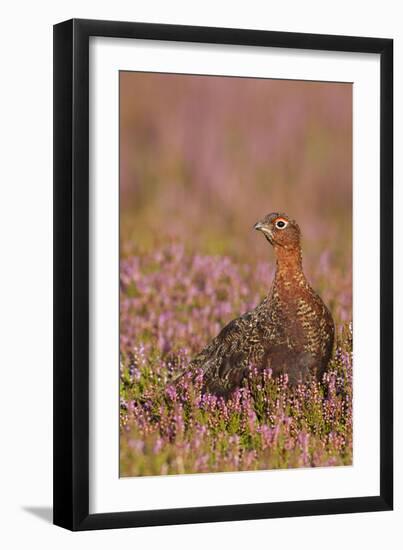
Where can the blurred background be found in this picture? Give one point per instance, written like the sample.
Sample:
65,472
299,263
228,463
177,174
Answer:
202,158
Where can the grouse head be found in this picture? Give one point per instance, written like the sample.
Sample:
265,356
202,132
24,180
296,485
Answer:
281,231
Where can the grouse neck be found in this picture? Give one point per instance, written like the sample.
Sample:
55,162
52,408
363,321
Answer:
288,263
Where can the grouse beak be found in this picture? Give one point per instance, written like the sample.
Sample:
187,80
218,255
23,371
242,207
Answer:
260,226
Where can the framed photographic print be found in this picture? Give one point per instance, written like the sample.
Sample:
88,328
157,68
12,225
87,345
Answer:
223,320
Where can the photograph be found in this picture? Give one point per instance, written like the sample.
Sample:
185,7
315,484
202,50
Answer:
235,274
201,293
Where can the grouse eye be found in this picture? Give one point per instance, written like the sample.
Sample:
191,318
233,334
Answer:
281,224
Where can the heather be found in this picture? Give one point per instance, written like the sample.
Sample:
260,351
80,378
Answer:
173,303
201,160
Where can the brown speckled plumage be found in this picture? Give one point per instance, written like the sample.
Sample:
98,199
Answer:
291,331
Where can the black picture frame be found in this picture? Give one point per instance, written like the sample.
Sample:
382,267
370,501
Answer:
71,274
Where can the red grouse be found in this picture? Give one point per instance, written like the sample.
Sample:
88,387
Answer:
290,332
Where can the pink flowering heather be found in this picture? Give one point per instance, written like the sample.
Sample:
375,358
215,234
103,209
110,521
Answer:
172,303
